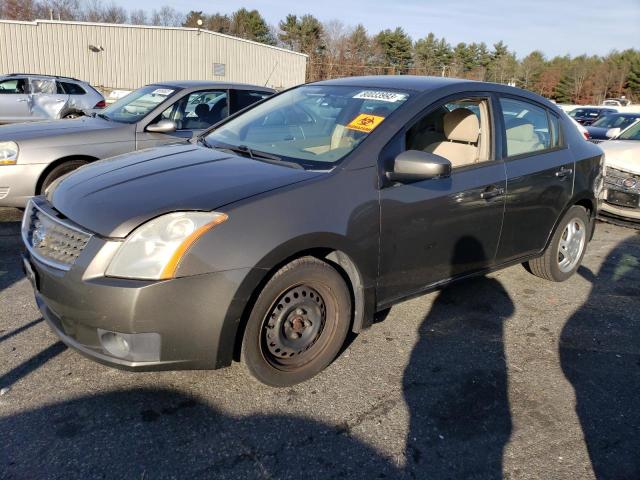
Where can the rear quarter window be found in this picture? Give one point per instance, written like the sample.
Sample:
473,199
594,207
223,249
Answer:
72,88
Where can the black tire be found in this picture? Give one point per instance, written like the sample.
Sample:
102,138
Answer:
298,323
550,265
72,115
59,171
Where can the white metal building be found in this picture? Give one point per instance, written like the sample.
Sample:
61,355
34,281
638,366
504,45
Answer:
129,56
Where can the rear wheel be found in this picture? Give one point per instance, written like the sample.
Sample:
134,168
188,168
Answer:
72,115
298,323
59,171
564,254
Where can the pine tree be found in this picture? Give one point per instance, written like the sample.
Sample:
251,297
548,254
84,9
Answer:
395,46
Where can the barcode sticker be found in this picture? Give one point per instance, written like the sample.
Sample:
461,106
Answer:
381,96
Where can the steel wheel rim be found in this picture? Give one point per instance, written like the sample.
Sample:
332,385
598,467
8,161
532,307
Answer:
571,245
293,326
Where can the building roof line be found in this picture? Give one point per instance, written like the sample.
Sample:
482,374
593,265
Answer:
158,27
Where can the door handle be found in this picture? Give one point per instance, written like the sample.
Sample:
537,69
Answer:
21,100
492,192
564,172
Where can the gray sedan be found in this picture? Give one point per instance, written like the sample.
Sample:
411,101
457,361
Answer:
33,155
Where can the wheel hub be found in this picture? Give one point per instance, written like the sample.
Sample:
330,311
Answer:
294,323
571,245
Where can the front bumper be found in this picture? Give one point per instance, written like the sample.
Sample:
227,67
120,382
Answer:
18,183
195,318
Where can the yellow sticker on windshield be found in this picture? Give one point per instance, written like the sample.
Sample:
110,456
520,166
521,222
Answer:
365,123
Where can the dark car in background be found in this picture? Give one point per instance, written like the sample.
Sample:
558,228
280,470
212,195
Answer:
34,155
610,125
587,115
271,237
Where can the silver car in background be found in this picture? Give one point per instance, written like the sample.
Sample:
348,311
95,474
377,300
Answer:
34,155
28,97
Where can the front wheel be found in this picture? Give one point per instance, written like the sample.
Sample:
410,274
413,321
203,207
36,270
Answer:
563,255
298,323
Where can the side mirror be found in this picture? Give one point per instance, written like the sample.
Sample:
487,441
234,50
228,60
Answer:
414,165
163,126
612,132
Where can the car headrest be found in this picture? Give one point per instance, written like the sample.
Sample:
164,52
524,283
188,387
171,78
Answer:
520,130
202,110
461,125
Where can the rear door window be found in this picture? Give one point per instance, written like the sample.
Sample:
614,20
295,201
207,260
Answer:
241,99
527,128
43,86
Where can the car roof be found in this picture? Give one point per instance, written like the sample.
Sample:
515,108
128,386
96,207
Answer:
403,82
40,75
212,84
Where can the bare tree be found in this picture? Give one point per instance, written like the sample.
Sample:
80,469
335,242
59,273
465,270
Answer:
167,17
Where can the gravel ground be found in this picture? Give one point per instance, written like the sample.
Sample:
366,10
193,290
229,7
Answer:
505,376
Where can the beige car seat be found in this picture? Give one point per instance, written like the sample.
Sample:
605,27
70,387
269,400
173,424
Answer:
522,138
461,130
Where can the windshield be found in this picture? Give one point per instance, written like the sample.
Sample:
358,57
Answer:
614,121
137,104
310,125
632,133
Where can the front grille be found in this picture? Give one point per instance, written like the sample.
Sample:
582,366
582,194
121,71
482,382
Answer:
50,239
621,180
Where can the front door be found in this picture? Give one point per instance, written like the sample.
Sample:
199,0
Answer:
14,100
437,229
540,173
192,114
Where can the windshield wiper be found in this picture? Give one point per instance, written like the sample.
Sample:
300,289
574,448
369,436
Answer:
257,155
102,115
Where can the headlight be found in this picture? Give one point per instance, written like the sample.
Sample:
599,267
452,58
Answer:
154,250
8,153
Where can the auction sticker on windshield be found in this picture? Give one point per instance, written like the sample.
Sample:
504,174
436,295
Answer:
381,96
365,122
162,91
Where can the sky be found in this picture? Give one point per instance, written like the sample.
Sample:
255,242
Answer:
557,27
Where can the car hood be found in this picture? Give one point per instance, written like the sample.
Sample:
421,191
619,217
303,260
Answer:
31,130
112,197
622,154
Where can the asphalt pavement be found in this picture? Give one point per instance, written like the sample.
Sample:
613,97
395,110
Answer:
504,376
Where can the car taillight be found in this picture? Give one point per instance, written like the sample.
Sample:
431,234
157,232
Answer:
586,135
101,104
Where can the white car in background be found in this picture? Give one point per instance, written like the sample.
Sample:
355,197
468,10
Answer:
621,192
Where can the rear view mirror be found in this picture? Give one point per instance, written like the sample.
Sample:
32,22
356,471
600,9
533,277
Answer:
613,132
163,126
414,165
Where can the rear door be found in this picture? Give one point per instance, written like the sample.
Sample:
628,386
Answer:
540,171
47,101
14,100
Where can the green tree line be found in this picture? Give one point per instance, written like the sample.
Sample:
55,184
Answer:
337,50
